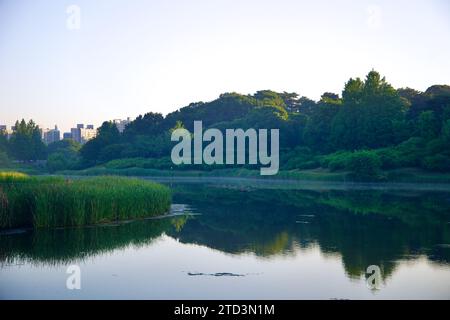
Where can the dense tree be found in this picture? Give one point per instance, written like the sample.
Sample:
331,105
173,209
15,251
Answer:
369,116
3,141
62,155
428,125
107,135
26,142
150,124
318,128
402,127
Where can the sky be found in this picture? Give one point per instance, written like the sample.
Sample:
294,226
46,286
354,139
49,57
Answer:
69,62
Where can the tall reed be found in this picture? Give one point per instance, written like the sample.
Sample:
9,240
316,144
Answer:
56,201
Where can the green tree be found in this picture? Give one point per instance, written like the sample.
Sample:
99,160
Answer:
364,165
428,125
318,128
26,142
63,155
371,111
446,131
107,134
3,141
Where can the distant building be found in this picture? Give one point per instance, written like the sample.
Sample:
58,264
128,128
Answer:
81,134
4,130
75,134
51,135
67,135
121,124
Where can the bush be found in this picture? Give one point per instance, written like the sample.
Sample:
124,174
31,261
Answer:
364,165
335,161
446,131
299,158
411,152
60,160
390,158
438,162
4,160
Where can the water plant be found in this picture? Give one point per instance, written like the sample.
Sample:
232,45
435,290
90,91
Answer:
27,201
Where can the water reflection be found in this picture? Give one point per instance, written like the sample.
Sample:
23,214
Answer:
362,227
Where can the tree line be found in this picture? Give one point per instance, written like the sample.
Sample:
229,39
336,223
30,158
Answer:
369,126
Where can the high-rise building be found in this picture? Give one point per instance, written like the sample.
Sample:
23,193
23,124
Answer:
9,133
121,124
81,134
88,133
75,134
67,135
51,135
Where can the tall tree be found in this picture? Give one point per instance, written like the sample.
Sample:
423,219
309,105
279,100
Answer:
107,135
371,112
26,142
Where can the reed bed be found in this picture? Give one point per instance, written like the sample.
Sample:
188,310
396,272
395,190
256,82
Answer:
56,201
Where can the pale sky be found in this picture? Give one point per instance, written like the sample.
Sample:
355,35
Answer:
129,57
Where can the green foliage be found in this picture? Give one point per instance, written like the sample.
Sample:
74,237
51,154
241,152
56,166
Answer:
65,145
63,155
364,165
3,141
4,160
446,131
107,134
437,162
368,115
150,124
57,161
26,143
403,126
317,134
300,158
335,161
52,202
407,154
427,125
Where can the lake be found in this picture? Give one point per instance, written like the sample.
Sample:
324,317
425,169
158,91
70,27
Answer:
248,239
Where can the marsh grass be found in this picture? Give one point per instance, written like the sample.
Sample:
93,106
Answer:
55,201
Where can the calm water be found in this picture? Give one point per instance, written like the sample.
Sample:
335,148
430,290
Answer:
241,239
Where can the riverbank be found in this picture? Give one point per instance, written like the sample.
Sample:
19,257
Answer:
55,201
404,175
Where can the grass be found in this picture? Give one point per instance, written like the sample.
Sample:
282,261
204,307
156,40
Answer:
410,175
27,201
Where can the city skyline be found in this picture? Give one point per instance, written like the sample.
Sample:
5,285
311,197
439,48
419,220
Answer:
80,132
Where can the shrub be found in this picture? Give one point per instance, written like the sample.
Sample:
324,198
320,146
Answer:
364,165
411,152
438,162
4,160
335,161
390,158
299,158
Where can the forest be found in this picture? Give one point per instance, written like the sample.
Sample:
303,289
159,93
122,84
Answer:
369,128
